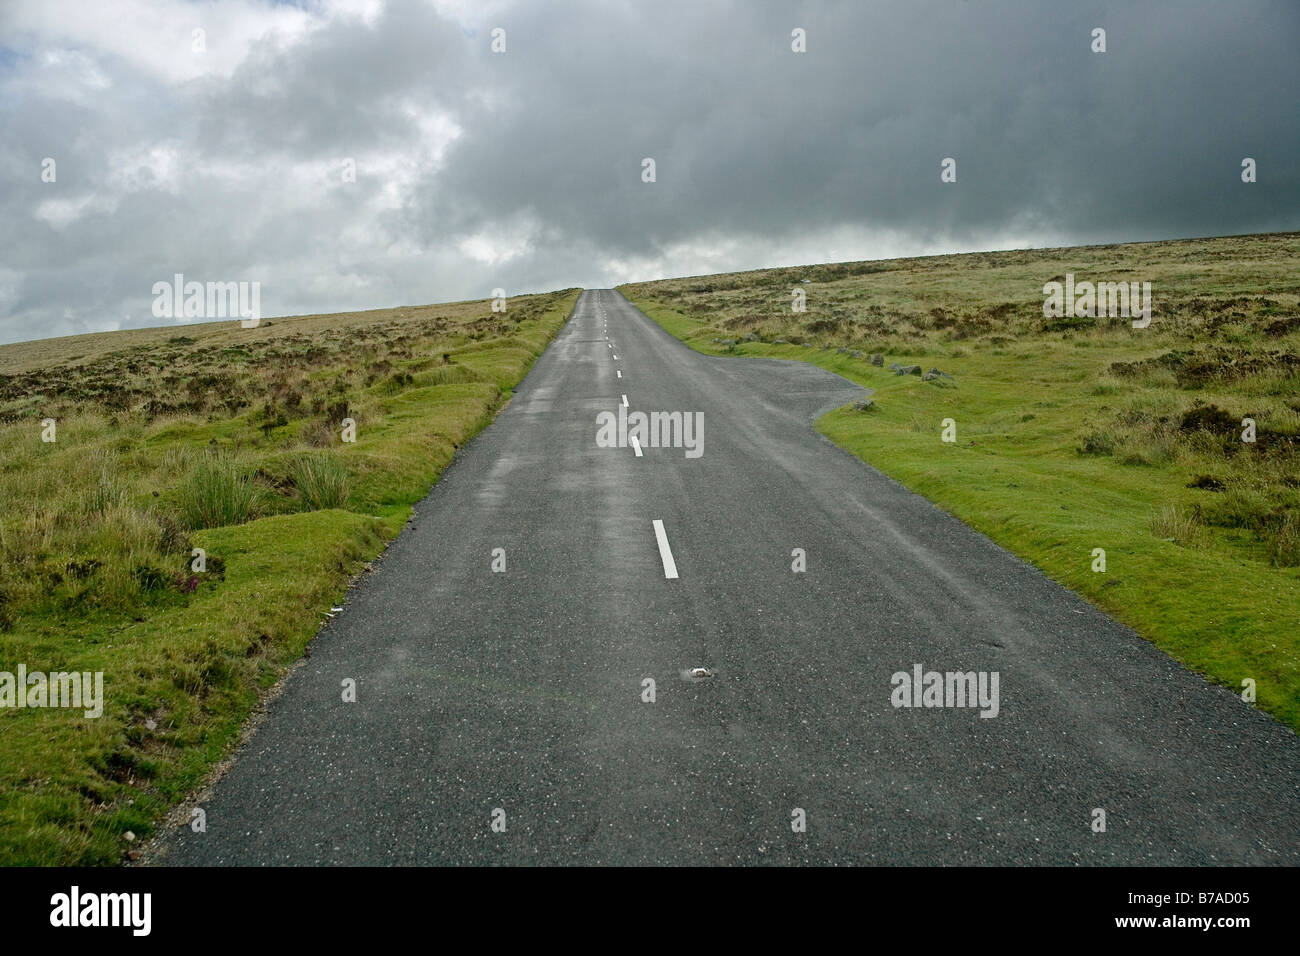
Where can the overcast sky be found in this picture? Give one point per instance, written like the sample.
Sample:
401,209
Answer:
523,169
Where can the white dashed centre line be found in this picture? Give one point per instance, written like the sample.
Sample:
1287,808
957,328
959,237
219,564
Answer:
620,374
625,401
665,552
636,445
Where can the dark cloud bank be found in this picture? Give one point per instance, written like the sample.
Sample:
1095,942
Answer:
522,169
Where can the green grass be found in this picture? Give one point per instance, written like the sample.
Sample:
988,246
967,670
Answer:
224,441
321,480
1092,435
218,492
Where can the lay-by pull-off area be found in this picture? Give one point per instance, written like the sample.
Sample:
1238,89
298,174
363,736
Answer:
678,638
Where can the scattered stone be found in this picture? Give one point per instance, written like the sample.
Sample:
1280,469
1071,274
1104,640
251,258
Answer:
842,351
866,405
726,341
780,342
751,337
128,836
855,354
877,360
894,367
908,370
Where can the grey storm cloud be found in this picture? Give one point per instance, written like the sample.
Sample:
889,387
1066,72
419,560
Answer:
522,169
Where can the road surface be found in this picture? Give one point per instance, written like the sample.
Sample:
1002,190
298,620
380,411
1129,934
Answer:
502,717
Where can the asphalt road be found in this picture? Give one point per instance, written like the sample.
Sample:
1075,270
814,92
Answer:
517,696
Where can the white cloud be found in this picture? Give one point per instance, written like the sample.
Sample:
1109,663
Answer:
492,248
156,37
63,212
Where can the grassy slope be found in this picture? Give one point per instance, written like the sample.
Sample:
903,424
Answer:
1055,454
183,670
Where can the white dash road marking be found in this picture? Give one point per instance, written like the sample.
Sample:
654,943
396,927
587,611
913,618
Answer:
665,552
620,374
636,446
616,359
625,401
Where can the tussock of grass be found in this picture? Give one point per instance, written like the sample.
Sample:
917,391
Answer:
322,480
106,494
1284,544
219,492
1172,523
1240,506
1098,443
